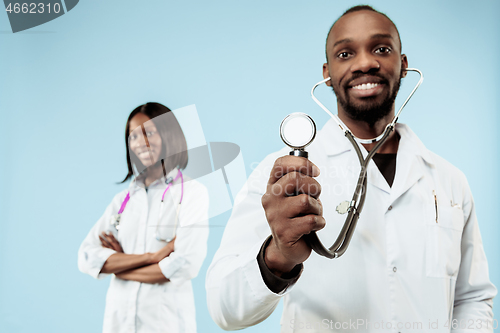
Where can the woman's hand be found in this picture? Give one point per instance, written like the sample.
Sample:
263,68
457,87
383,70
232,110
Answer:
164,252
109,241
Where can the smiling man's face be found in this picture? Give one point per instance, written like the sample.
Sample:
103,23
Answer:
365,65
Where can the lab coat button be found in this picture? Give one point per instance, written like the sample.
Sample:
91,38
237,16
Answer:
390,207
394,269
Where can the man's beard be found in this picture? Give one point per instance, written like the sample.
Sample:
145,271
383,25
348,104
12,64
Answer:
371,112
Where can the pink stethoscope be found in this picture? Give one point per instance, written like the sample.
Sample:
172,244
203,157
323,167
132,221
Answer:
115,219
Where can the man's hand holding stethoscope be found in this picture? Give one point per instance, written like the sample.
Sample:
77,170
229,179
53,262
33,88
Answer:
293,209
109,241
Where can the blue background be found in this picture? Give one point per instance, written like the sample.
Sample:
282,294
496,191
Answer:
67,87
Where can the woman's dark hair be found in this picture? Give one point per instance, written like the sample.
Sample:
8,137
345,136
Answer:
174,147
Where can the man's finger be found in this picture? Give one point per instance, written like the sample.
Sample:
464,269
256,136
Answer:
286,164
296,227
294,183
301,205
305,224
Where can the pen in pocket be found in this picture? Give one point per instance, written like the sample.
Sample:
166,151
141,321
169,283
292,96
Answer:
435,204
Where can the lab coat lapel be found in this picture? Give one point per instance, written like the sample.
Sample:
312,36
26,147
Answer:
375,177
332,140
409,170
410,165
334,143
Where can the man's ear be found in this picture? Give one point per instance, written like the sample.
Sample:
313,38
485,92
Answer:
326,74
404,65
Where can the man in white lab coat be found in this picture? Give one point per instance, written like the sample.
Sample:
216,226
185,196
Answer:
416,260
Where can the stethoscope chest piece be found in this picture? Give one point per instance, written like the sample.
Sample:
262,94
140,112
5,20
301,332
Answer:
115,221
297,131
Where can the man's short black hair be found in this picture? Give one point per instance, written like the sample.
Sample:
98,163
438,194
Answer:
357,9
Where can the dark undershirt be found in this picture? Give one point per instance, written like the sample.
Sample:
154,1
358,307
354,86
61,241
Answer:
386,163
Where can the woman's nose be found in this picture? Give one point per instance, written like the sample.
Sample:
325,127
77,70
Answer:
138,141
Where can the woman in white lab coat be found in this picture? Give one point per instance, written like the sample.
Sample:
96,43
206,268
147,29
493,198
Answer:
152,250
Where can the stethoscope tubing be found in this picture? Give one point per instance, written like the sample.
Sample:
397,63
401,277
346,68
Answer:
157,234
117,218
356,205
344,127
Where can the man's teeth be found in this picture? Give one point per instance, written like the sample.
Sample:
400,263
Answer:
365,86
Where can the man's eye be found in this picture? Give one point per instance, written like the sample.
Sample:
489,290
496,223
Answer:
343,55
383,50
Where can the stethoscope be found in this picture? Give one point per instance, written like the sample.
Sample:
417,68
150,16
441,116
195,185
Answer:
298,130
115,219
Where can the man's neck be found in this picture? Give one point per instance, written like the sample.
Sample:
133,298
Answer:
363,130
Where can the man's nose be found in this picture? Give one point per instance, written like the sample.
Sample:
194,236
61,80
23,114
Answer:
365,62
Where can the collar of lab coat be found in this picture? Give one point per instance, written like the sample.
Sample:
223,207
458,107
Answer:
138,182
410,158
334,141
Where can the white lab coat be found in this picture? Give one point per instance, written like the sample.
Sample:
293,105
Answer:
402,269
141,307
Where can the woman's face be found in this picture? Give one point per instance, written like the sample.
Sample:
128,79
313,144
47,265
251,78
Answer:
144,139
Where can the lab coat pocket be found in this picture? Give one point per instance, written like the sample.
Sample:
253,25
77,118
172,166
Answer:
443,242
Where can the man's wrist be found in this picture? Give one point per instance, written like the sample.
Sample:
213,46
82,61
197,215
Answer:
275,261
275,283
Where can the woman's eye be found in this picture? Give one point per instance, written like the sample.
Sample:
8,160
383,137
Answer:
150,133
383,50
